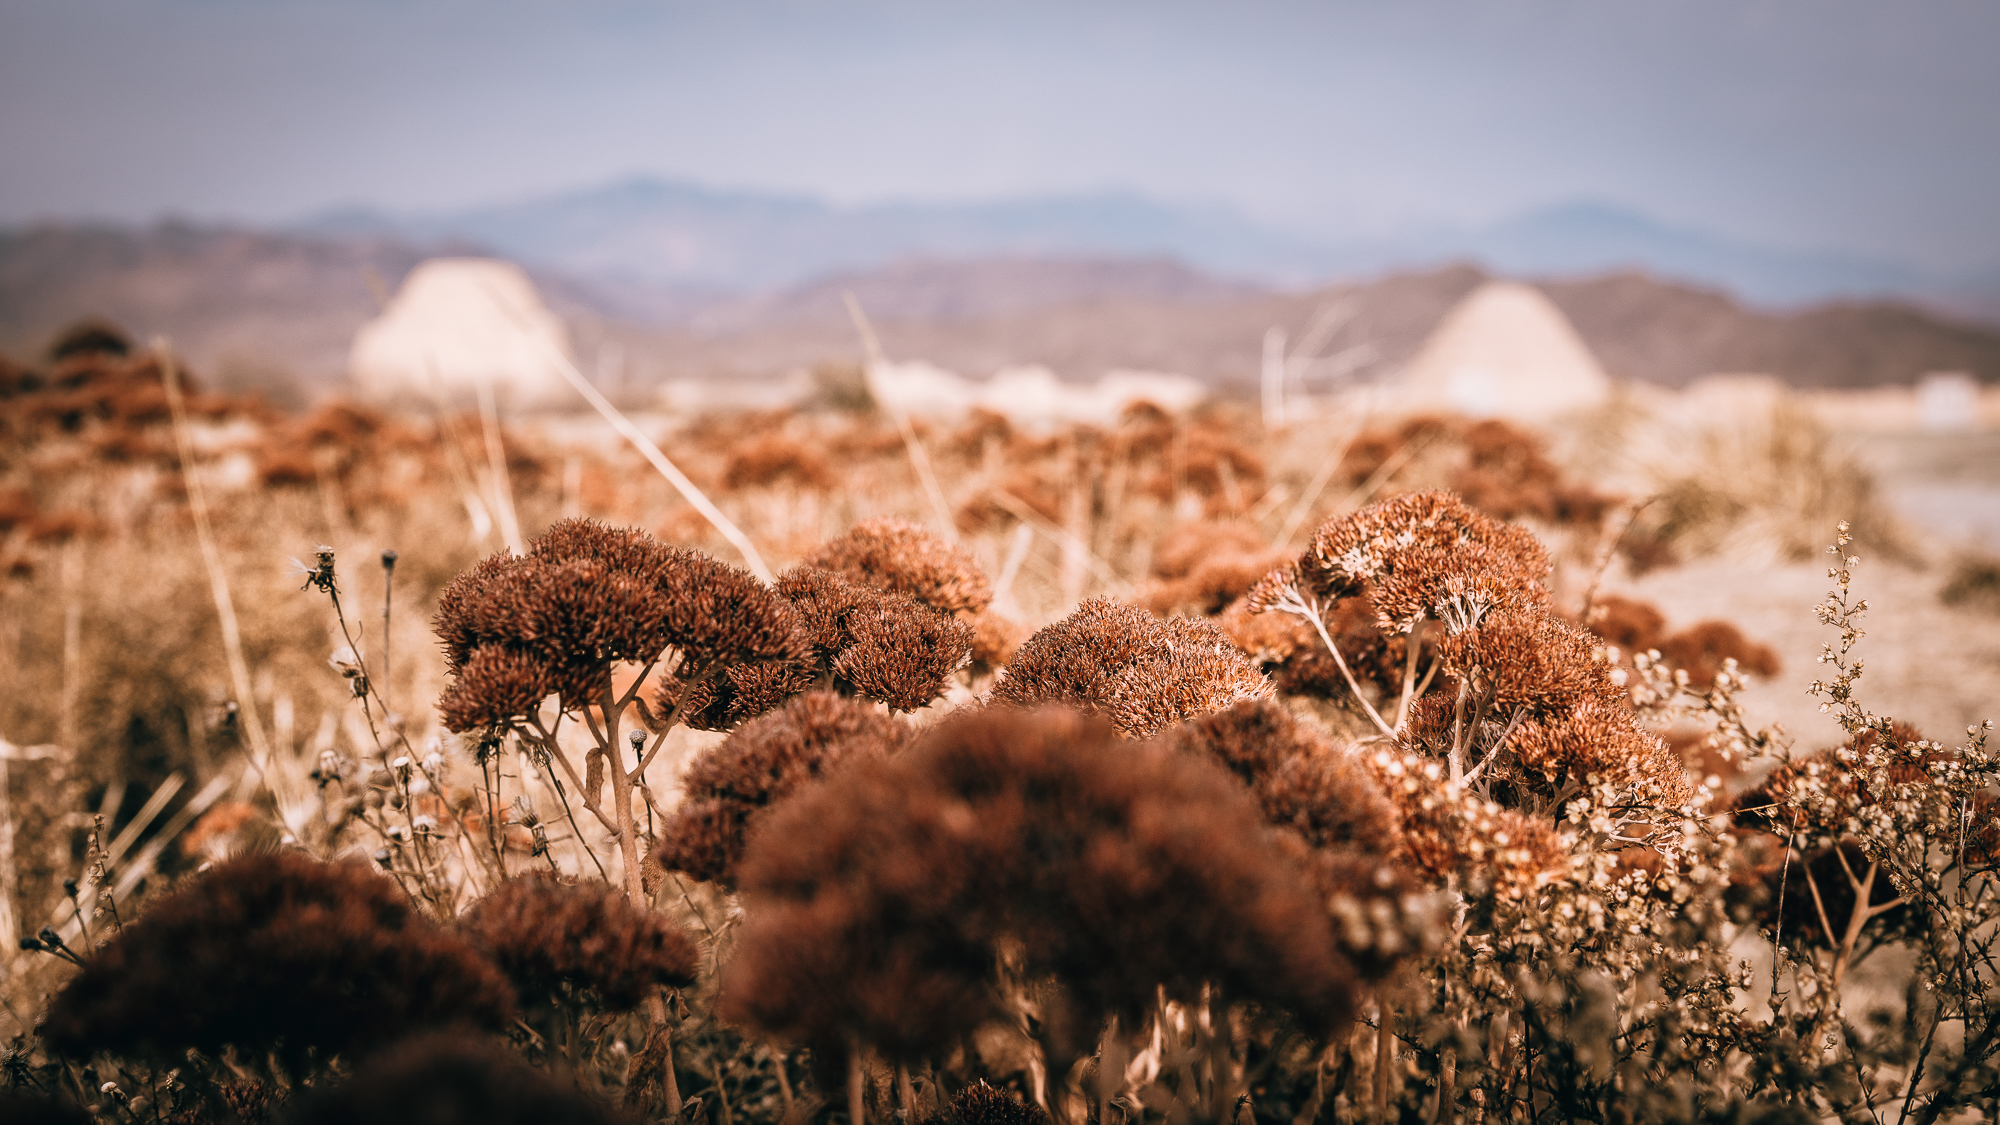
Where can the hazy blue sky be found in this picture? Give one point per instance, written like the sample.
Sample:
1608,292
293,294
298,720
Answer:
1872,127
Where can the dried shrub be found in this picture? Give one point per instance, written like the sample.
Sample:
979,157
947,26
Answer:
903,558
1327,798
1702,649
1119,661
275,952
760,763
516,630
553,939
772,459
1974,582
874,642
882,901
451,1080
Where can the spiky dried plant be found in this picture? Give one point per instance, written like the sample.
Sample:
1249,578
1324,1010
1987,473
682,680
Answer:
1138,671
278,953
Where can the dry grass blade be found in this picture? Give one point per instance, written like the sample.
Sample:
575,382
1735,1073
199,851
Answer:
919,460
211,557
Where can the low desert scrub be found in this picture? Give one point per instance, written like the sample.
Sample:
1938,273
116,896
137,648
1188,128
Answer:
1347,801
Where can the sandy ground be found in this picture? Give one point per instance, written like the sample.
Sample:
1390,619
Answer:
1935,665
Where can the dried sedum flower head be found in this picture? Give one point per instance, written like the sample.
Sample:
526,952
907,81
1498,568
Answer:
1448,830
903,558
1417,555
1140,672
1531,660
516,630
872,642
882,900
761,763
547,935
1325,798
275,952
453,1080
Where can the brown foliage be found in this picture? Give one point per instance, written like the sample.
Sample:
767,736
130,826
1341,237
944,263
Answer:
883,899
277,952
759,764
547,936
453,1080
903,558
1139,671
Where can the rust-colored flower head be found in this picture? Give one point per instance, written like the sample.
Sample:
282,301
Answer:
275,952
761,763
587,596
1449,830
1423,554
1530,660
1592,740
453,1080
550,938
1140,672
884,898
1327,799
903,558
872,642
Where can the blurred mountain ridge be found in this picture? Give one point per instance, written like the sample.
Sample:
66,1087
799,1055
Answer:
655,231
278,311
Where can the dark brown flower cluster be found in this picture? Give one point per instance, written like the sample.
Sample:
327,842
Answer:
550,938
275,952
1289,649
774,459
1422,554
887,611
454,1080
517,630
883,901
1327,798
903,558
1449,830
1531,697
1140,672
760,763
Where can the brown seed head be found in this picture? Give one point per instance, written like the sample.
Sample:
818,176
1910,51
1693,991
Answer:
1137,670
761,763
545,936
901,557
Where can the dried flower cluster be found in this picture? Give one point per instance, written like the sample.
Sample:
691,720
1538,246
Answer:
1140,672
551,937
760,763
882,902
517,630
280,953
1328,799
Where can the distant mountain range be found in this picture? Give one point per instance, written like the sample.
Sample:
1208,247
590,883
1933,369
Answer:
277,311
689,237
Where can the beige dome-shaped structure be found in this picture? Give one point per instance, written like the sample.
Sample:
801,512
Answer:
455,323
1505,351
